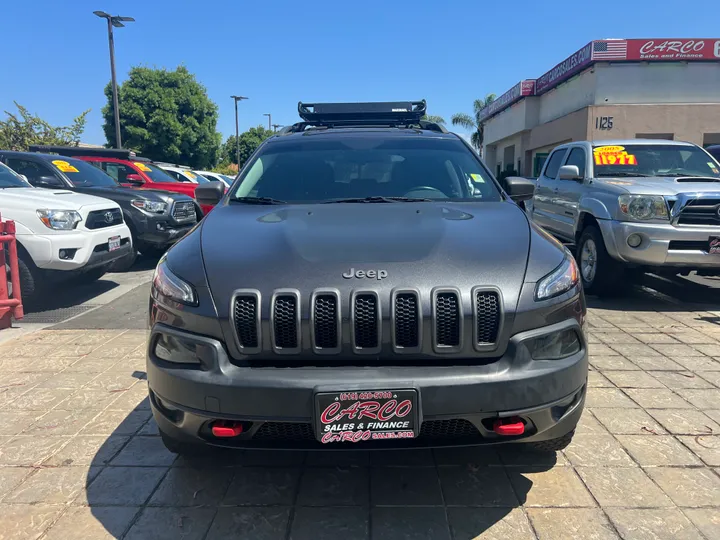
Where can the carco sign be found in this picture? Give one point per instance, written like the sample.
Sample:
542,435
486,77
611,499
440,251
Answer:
564,70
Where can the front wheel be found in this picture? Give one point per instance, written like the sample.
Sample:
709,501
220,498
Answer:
93,275
601,274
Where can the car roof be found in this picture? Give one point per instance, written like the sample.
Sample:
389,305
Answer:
40,155
624,142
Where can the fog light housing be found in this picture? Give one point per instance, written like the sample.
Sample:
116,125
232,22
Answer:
634,240
554,346
178,351
67,254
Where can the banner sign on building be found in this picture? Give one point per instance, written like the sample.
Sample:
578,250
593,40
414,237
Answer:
521,89
564,70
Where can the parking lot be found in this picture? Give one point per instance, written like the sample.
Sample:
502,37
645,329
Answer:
80,457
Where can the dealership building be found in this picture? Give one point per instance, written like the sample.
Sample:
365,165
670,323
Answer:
609,89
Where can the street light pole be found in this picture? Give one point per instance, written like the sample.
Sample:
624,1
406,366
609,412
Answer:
269,120
237,129
275,126
116,21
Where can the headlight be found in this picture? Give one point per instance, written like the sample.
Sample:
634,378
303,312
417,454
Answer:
167,284
643,206
559,281
554,346
60,220
149,206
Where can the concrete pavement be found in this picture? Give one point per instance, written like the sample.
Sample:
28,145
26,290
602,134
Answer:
80,456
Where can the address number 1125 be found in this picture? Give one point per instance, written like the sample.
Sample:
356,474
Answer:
603,122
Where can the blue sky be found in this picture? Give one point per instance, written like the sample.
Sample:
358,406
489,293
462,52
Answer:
278,52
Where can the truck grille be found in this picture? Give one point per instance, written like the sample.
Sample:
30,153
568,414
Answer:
184,212
285,318
700,212
98,219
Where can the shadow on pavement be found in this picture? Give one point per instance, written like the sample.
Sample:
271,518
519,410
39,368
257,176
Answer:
136,489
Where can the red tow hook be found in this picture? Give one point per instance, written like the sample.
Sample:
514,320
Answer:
509,426
226,428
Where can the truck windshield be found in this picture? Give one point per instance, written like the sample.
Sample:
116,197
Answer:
653,160
321,169
8,179
156,174
83,174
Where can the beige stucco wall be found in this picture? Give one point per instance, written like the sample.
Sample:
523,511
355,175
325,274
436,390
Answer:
686,121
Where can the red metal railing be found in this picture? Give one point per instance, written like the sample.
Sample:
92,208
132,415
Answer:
9,307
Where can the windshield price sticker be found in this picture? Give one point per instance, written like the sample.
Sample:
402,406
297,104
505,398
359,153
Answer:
64,166
613,155
191,175
142,167
366,416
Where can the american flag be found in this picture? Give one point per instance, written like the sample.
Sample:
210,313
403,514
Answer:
610,50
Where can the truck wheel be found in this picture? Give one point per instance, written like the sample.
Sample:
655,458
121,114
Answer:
124,264
601,274
29,282
93,275
553,445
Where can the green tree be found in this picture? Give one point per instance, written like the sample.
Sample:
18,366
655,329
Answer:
249,141
165,116
19,131
473,122
435,119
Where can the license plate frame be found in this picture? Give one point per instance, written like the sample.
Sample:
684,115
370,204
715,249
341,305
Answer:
114,243
714,245
367,415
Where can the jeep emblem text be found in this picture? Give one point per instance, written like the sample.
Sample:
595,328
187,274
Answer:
372,274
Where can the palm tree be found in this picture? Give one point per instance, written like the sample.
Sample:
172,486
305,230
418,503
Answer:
473,122
433,119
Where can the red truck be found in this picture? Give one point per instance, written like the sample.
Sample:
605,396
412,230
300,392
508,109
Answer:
127,168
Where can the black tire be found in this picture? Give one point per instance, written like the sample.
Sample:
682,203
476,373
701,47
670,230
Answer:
183,448
125,263
30,285
151,251
92,276
552,445
607,278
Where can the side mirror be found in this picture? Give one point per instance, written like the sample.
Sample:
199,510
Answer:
48,182
210,194
520,189
569,172
134,178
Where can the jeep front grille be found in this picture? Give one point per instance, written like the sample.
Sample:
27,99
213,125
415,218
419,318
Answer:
327,322
246,316
487,317
184,212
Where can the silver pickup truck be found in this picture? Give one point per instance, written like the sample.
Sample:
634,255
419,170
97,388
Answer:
632,204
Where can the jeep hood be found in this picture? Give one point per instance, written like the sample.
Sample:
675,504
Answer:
419,245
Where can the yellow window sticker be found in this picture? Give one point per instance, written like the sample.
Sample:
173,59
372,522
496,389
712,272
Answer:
477,178
142,166
191,175
608,149
613,155
713,167
64,166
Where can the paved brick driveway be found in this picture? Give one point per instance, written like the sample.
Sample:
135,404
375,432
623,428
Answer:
80,457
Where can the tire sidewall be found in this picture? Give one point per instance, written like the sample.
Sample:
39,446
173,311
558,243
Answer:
589,234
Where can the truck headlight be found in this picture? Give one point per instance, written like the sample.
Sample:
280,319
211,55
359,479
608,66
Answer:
559,281
643,207
554,346
60,220
168,285
155,207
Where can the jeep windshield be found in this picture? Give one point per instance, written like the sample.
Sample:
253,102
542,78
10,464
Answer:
83,174
659,160
377,168
8,179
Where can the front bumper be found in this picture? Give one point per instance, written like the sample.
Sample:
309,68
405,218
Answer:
457,403
662,244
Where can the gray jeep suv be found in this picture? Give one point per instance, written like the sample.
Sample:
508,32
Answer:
365,283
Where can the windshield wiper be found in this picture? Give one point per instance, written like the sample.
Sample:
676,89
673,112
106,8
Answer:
378,199
258,200
623,174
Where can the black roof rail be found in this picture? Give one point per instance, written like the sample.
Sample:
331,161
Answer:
367,114
118,153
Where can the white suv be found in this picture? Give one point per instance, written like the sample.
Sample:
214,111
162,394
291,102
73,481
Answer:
61,234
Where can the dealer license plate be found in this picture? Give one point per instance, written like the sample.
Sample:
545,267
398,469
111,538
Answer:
714,248
114,243
372,415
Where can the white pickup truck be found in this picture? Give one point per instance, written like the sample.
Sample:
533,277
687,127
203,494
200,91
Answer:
60,234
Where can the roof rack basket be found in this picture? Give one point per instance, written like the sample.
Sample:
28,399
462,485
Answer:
390,113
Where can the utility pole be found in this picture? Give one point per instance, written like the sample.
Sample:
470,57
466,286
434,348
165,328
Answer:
276,126
117,22
237,129
269,120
